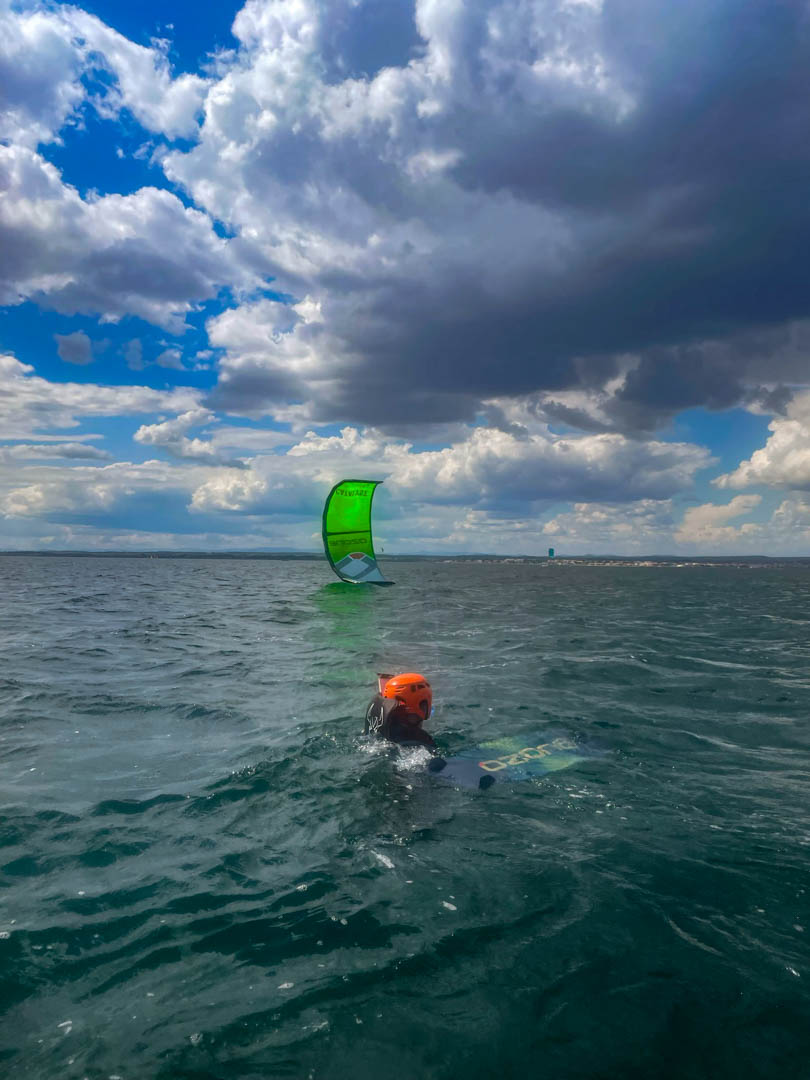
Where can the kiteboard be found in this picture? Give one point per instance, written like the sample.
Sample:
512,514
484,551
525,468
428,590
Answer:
516,757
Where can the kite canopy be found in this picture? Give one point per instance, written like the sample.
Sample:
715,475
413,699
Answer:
347,537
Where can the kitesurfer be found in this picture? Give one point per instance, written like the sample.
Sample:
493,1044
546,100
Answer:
399,709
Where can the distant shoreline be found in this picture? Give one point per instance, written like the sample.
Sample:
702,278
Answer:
560,560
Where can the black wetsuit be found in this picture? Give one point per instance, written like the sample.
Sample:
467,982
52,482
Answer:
387,718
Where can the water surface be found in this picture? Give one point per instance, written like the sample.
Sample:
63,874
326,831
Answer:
205,873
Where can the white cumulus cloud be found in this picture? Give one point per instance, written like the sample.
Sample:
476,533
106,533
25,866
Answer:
46,51
30,404
171,436
143,254
645,525
707,525
784,460
51,490
490,470
495,467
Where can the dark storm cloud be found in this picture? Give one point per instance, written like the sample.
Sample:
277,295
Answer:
716,158
717,375
245,391
553,188
721,138
715,85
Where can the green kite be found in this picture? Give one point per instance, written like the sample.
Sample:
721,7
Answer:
347,538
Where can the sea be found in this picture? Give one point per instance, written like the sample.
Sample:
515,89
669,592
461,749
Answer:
207,873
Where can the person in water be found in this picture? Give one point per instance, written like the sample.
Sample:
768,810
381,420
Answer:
398,711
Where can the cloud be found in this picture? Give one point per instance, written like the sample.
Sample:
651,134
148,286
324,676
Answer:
170,358
61,537
143,254
78,451
133,355
758,369
646,525
652,527
491,470
53,490
790,524
45,54
475,202
254,440
705,526
30,404
142,79
527,196
784,460
75,348
491,491
238,492
170,435
496,468
39,73
266,364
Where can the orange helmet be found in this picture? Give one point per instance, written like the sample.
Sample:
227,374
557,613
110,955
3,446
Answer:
412,690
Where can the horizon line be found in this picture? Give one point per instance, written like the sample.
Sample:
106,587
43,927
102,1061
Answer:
292,553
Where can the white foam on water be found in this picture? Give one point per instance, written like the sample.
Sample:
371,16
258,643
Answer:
413,758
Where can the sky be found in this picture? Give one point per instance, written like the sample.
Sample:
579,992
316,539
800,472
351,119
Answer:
541,266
